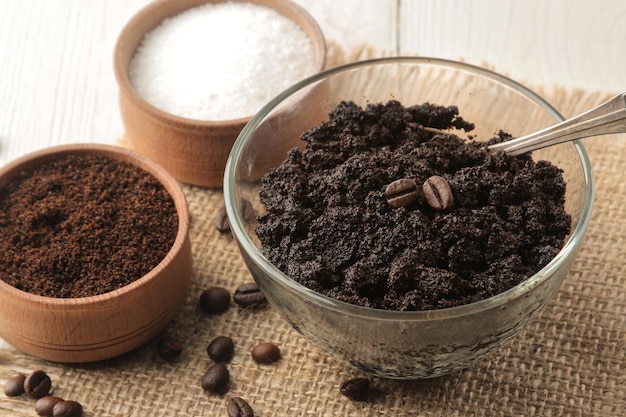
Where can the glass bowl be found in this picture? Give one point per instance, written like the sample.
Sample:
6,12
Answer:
394,344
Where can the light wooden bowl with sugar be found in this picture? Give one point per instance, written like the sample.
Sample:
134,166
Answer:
193,151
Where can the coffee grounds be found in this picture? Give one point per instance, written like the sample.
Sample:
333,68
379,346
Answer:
330,227
83,225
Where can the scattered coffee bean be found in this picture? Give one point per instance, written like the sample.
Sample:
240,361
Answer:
14,387
356,389
438,193
215,300
238,407
221,349
37,384
221,220
247,210
266,353
45,405
67,409
249,294
169,348
216,379
402,193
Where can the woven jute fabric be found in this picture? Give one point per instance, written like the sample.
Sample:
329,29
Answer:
570,361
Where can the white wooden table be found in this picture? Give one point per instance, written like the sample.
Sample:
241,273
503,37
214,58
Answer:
57,84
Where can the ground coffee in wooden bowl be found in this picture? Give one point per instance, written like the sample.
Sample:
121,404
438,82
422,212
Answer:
83,225
95,256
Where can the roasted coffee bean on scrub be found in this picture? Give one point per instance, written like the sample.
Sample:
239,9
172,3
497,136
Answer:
402,193
14,387
266,352
356,388
216,379
214,300
169,348
238,407
45,405
438,193
221,349
37,384
249,294
67,409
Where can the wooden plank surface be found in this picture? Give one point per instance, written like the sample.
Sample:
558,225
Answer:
57,83
574,44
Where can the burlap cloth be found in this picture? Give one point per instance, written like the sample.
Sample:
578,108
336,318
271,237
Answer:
570,361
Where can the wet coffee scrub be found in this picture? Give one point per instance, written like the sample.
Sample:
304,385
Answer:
387,208
83,225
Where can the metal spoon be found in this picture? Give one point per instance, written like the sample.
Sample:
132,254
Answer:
609,117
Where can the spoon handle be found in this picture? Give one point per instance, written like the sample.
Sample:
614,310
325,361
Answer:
609,117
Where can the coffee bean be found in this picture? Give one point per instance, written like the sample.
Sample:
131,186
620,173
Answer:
216,379
401,193
238,407
67,409
438,193
215,300
266,353
44,405
356,389
14,387
37,384
246,209
249,294
169,348
221,220
221,349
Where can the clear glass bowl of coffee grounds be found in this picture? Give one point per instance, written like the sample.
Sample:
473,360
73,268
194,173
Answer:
410,344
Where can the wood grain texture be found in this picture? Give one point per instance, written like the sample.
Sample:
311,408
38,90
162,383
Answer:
57,84
574,44
56,78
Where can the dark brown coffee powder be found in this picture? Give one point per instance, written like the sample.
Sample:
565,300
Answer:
83,225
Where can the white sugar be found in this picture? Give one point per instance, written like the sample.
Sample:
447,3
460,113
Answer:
220,61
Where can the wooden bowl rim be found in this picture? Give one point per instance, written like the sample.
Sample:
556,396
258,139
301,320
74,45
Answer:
120,63
119,153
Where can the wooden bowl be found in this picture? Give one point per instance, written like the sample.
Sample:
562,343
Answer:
193,151
102,326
